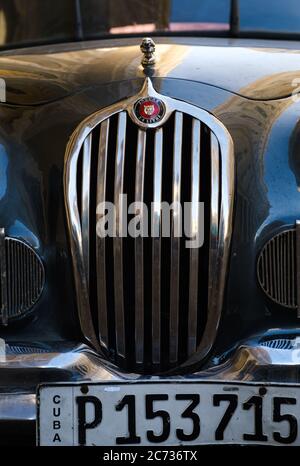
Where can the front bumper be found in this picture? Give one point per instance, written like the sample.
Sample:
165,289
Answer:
23,368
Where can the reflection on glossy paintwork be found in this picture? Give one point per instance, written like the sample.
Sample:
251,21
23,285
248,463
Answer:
246,68
294,151
267,198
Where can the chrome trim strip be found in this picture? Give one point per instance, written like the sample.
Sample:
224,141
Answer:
73,217
214,225
17,407
139,254
156,246
85,206
226,204
176,226
100,242
118,241
194,230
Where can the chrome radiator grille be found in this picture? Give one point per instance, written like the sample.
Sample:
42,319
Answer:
149,304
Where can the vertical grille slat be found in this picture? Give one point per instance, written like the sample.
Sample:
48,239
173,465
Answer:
214,216
139,253
150,303
85,203
194,230
100,240
176,226
118,241
156,247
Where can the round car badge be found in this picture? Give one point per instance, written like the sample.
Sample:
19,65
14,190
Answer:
149,110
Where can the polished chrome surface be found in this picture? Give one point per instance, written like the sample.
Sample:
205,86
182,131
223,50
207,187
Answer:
118,242
22,277
277,268
148,49
156,247
176,221
139,251
85,203
220,228
100,242
194,228
222,180
255,361
213,296
17,407
85,316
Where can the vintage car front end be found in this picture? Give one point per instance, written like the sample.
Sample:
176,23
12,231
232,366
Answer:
212,124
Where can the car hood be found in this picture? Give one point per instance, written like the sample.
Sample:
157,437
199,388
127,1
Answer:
258,70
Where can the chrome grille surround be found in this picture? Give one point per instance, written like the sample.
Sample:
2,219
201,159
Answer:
78,215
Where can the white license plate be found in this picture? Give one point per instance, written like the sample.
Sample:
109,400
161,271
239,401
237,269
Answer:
168,413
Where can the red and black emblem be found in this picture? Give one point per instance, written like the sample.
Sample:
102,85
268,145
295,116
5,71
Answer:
149,110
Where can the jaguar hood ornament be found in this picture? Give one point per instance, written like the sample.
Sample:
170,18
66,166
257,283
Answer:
148,49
